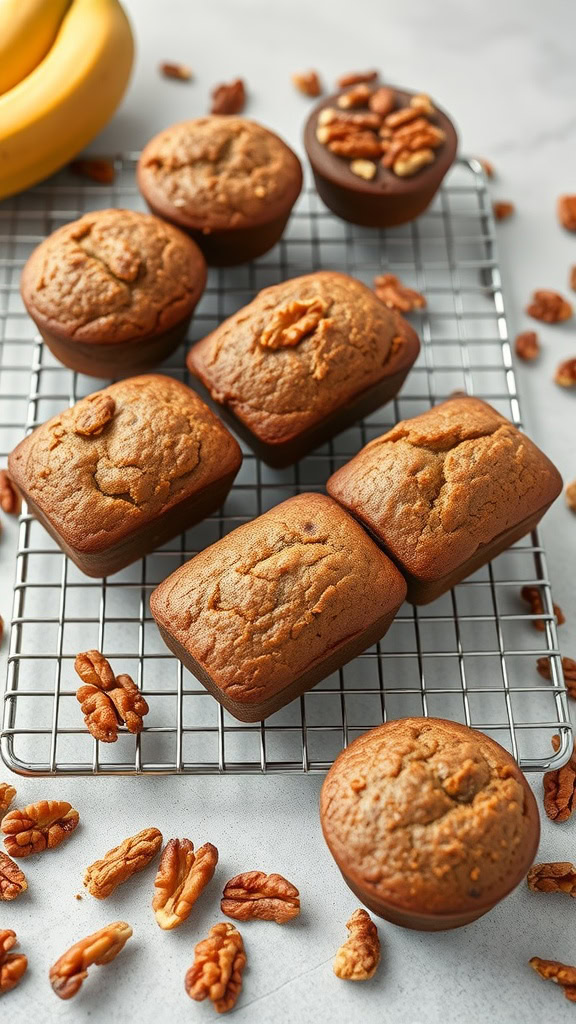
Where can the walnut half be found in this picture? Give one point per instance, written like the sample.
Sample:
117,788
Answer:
12,879
181,877
37,827
217,970
263,897
359,957
68,973
123,861
12,965
291,323
561,974
7,794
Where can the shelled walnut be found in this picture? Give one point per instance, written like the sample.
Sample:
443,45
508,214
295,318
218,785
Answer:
228,98
108,701
562,974
10,502
527,345
307,82
560,788
12,965
12,879
182,875
292,322
558,876
395,295
256,895
534,598
568,669
565,374
216,973
549,306
566,208
7,794
68,973
37,827
118,865
92,414
359,957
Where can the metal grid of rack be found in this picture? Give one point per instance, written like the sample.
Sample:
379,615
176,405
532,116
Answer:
470,656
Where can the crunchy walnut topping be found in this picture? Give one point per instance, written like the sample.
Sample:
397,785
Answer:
37,827
359,957
571,495
93,667
423,104
357,96
12,965
364,169
565,374
383,101
256,895
12,878
292,322
119,864
503,209
182,875
7,794
560,788
534,598
307,82
181,72
561,974
356,145
395,295
527,345
559,876
228,98
216,973
566,208
92,414
407,165
548,306
95,169
9,498
568,668
105,710
68,973
344,121
356,78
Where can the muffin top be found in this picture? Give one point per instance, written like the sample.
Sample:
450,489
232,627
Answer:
121,457
428,815
112,276
298,351
217,173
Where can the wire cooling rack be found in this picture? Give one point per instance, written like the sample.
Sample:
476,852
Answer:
470,656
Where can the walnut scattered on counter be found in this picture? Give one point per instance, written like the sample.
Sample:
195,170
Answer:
359,957
560,788
565,374
502,209
118,865
566,209
12,879
10,502
255,895
68,973
182,875
561,974
571,495
549,306
12,965
181,72
307,82
228,98
7,794
558,876
527,346
356,78
37,827
217,970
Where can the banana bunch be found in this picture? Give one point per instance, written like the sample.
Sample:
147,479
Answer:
64,66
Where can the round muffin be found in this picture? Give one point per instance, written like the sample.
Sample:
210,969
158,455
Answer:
113,293
227,181
430,823
379,154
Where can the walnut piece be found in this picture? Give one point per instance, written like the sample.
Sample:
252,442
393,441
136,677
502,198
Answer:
93,667
356,145
565,374
502,209
383,101
182,875
254,895
217,970
487,166
92,414
10,502
549,306
96,169
534,598
12,878
123,861
571,495
423,104
561,974
344,121
37,827
181,72
291,323
7,794
105,710
566,208
356,78
527,345
407,164
364,169
12,965
390,290
358,96
68,973
359,957
560,788
307,82
228,98
568,668
559,876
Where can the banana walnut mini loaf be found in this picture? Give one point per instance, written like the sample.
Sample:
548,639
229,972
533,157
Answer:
278,604
304,360
113,292
124,470
447,491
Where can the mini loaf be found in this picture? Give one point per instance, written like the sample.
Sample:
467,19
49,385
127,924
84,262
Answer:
304,360
124,470
430,823
227,181
278,604
447,491
113,292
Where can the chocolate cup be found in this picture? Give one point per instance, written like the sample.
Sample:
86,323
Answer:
387,200
287,452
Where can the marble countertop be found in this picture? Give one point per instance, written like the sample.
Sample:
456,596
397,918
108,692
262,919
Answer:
506,73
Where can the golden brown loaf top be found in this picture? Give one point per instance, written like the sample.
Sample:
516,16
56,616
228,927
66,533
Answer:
216,173
437,487
299,351
120,458
113,275
428,815
273,597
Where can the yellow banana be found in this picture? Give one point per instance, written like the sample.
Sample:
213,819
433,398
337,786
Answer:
67,99
27,30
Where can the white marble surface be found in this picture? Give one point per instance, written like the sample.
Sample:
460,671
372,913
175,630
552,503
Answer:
506,72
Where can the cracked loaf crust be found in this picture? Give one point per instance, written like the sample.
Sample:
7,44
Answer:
301,353
428,817
278,604
113,276
122,465
438,489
